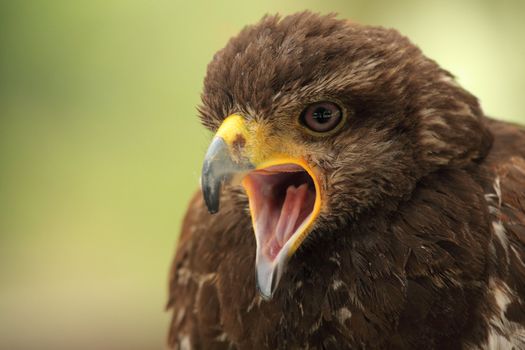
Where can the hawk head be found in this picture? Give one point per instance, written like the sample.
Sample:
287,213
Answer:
322,121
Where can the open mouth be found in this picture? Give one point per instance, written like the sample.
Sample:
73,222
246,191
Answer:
283,202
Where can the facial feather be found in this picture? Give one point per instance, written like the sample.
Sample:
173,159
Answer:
415,245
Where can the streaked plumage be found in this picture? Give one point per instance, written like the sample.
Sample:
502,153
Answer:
420,242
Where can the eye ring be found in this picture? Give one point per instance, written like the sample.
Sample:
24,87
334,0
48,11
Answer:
322,118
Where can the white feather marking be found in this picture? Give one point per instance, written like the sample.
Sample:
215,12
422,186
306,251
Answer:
336,284
185,343
449,80
497,188
494,198
183,276
335,259
316,326
490,197
256,301
500,232
504,334
343,314
222,337
202,278
518,256
180,316
494,202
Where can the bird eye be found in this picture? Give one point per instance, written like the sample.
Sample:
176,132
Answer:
322,117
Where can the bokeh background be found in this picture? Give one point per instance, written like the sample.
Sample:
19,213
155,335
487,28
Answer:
100,146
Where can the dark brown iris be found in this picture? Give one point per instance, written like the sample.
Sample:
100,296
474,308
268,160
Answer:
322,116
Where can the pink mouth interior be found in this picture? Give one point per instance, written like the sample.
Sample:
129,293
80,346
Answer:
282,199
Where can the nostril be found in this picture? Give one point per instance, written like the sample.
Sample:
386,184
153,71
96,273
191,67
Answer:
238,146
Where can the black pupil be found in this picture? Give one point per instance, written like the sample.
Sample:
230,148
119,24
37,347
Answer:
322,115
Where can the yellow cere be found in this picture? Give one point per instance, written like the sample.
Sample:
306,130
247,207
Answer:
260,144
231,128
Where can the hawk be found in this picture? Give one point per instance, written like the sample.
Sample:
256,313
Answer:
354,196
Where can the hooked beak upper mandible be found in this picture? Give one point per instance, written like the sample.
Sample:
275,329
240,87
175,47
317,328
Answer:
224,160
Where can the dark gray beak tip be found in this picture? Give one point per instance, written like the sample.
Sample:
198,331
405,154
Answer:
213,210
211,204
217,170
211,191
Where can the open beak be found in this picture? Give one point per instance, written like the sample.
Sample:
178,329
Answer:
283,192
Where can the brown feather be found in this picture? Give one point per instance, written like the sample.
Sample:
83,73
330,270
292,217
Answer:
421,241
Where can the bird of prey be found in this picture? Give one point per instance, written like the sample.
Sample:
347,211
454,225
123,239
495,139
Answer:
354,196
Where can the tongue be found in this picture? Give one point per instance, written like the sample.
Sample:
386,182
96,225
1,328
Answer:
288,219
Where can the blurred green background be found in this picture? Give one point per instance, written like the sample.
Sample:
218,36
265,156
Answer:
100,146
